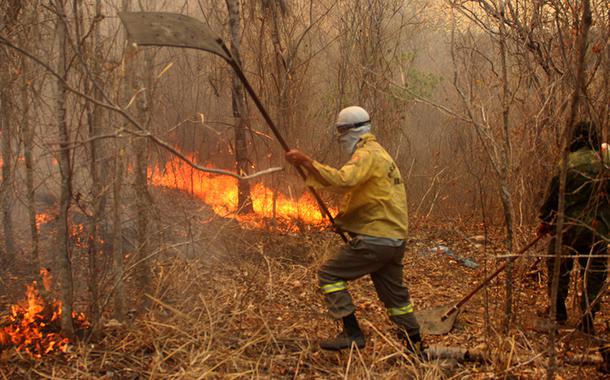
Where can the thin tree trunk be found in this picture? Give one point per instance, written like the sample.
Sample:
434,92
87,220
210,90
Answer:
28,147
98,194
578,81
117,236
244,203
7,161
63,255
6,197
139,145
140,150
506,157
283,98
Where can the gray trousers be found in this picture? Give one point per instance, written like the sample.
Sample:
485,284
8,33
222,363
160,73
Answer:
356,259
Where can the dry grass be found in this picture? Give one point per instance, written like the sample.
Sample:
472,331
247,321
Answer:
245,304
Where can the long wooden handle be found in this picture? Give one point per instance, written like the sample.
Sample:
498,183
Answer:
489,278
278,135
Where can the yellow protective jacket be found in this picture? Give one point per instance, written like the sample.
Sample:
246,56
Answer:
375,200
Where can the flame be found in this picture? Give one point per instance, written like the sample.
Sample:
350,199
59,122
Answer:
221,193
33,326
42,218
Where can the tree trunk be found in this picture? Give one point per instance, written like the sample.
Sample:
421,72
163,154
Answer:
579,78
6,197
139,145
98,180
135,85
118,267
244,203
28,147
7,20
63,255
504,180
281,69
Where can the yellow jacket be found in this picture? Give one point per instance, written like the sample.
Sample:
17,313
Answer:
375,200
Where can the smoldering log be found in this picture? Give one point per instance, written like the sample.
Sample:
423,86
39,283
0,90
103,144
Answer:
593,359
436,352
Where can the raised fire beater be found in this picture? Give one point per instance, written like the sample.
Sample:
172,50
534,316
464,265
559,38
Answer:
374,214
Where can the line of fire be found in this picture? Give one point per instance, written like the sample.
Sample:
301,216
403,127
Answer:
32,326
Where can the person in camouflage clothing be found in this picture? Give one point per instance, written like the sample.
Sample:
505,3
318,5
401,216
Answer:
587,223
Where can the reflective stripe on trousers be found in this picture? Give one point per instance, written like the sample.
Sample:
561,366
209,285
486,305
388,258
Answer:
334,287
396,311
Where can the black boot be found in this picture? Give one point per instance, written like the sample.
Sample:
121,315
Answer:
414,344
351,335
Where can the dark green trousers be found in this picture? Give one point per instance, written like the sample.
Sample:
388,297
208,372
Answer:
587,245
384,264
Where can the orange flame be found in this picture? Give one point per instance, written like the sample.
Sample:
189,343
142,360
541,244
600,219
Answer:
221,193
42,218
33,325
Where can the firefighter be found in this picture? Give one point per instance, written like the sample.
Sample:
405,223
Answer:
587,218
374,214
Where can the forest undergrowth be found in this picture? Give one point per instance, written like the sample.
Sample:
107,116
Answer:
243,303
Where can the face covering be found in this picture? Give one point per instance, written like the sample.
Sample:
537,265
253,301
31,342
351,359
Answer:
349,139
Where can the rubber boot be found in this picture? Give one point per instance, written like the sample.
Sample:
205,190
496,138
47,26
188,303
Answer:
414,344
351,335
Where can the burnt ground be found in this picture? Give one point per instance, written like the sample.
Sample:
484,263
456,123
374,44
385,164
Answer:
235,302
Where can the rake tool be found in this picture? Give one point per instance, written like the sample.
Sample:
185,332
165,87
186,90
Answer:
176,30
439,320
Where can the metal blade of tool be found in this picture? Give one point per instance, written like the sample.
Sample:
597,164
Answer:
439,320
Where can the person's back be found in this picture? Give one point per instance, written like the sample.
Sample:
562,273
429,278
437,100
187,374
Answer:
377,205
586,224
586,197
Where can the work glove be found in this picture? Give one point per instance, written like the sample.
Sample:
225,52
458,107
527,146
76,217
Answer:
296,157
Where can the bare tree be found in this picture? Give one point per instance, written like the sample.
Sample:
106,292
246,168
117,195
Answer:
63,250
28,132
98,167
578,81
9,11
244,203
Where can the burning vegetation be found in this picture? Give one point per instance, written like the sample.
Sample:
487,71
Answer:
221,193
33,325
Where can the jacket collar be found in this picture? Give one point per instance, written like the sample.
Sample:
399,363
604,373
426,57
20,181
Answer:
364,139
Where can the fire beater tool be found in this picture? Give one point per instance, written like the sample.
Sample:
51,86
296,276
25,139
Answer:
439,320
176,30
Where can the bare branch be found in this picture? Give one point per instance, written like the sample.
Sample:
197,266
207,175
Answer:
141,131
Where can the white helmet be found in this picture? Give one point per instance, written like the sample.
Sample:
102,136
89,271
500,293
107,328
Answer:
352,123
352,117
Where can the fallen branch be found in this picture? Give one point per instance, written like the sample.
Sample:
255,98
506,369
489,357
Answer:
436,352
584,359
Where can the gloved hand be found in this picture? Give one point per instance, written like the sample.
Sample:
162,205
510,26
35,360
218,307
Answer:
296,157
543,229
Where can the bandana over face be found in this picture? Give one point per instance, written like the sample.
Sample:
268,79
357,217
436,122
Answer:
350,138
